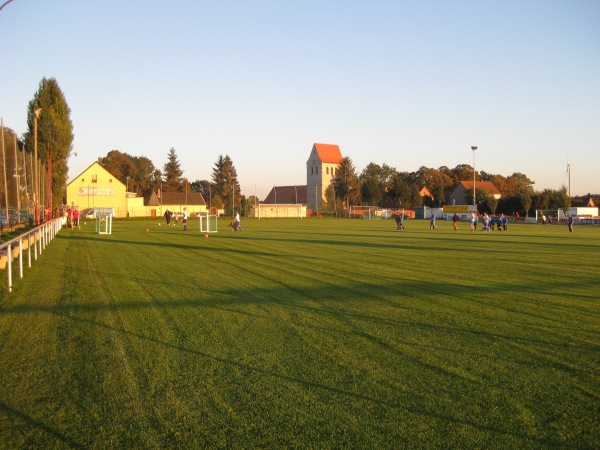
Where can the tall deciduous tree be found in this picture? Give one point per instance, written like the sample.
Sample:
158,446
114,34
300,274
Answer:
136,172
172,173
54,134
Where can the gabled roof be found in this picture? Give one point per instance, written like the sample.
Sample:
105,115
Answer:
487,186
328,153
99,167
286,194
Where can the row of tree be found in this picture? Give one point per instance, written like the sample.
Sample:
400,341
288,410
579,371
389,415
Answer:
385,186
142,177
377,185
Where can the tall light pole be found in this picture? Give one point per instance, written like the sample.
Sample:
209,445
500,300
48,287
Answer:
36,189
474,147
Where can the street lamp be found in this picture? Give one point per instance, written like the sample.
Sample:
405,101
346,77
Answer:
474,147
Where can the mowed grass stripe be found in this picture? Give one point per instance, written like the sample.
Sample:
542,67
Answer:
308,333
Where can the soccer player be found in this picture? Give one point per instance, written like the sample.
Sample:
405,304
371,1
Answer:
432,225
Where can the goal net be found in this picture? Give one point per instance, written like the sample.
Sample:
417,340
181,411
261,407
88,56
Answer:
546,216
281,210
364,212
208,223
104,218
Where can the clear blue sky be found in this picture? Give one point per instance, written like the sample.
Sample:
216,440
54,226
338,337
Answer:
406,83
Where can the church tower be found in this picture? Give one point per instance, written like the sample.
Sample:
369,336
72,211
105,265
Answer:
321,168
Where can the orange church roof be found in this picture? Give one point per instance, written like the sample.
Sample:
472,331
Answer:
328,153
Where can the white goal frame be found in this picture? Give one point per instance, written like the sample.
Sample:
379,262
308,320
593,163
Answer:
364,212
556,215
208,223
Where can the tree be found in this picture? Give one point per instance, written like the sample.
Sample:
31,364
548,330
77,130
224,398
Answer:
146,178
563,199
462,172
347,186
438,193
399,189
482,199
415,196
54,134
120,165
173,173
334,202
375,183
205,187
426,176
217,202
525,200
137,173
225,182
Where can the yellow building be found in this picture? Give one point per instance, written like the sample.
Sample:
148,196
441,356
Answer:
95,187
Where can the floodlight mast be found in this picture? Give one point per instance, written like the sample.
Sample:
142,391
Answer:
474,147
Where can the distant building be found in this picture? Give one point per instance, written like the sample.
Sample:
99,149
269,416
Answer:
96,187
321,169
286,194
457,197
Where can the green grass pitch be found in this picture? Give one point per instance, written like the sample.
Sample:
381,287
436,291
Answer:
313,333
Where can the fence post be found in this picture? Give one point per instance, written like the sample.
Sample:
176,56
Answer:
20,258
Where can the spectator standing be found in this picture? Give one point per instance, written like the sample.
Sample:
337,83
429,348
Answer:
76,218
69,214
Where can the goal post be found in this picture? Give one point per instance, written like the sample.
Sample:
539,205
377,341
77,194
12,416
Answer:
363,212
208,223
546,216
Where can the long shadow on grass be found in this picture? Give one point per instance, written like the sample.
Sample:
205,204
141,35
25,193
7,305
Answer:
339,307
469,300
379,402
30,421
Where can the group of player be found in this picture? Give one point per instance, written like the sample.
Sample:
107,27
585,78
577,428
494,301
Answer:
488,222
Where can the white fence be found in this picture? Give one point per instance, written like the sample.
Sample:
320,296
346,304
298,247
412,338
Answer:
33,242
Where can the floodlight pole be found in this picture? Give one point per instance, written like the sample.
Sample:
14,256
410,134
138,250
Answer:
474,147
36,190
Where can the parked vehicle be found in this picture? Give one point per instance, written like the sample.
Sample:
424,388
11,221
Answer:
88,213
